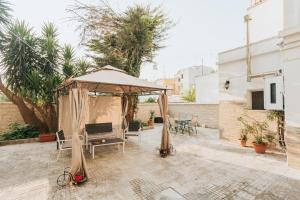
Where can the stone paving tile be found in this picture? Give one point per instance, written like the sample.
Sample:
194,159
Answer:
203,167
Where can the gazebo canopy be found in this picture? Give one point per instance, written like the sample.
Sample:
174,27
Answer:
109,79
74,103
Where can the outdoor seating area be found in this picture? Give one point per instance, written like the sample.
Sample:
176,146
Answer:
203,168
95,136
184,124
95,106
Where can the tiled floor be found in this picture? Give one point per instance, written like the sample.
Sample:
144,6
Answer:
204,167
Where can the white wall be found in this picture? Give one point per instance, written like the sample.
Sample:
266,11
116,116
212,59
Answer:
232,67
267,19
291,59
189,76
291,13
207,89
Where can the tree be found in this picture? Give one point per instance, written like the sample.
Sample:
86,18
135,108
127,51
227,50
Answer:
125,40
151,100
4,13
33,66
190,95
68,61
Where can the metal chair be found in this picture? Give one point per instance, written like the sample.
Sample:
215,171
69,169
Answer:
192,126
173,126
64,143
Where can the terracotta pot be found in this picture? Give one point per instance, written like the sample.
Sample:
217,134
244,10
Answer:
243,143
150,122
48,137
260,148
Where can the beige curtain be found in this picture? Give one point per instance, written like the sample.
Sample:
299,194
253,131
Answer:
163,106
124,112
60,112
64,120
78,107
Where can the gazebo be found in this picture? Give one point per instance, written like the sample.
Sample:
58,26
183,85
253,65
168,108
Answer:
82,99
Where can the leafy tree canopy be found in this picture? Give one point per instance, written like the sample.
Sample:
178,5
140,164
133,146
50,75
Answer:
122,39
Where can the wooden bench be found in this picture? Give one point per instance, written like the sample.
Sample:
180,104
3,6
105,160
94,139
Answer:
100,135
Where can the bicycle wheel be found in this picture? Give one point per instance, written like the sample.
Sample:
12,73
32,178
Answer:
64,179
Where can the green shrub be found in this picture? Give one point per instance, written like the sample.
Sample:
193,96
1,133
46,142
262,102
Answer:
190,96
20,131
151,100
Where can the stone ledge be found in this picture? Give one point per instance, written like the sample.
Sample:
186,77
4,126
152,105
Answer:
20,141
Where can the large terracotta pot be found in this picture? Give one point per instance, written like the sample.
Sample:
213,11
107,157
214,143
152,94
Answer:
243,143
48,137
260,148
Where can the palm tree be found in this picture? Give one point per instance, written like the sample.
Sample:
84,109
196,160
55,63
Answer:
34,66
68,54
4,13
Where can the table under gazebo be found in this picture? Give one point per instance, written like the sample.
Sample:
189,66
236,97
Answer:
100,95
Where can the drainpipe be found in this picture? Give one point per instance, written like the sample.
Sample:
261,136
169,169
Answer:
247,19
265,74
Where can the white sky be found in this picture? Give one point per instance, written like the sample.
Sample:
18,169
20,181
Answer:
203,28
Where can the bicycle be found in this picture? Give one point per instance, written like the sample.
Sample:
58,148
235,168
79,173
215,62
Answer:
65,178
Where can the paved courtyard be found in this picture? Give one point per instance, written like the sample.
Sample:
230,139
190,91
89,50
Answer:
204,167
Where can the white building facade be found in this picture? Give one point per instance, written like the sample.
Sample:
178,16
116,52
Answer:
207,89
186,77
274,33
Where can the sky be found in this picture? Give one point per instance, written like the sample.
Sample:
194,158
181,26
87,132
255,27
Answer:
203,28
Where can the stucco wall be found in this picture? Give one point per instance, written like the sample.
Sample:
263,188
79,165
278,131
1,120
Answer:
291,60
9,113
267,19
207,89
232,67
207,113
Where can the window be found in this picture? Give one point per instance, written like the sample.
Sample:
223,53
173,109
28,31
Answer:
273,93
258,100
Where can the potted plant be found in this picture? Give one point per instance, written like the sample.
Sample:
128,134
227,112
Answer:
243,139
47,137
247,129
151,118
259,145
257,129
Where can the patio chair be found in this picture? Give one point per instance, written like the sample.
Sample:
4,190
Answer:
134,129
192,126
64,143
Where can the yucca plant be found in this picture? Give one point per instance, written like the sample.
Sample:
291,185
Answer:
68,54
33,67
4,13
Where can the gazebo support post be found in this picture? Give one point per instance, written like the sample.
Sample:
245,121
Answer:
165,147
